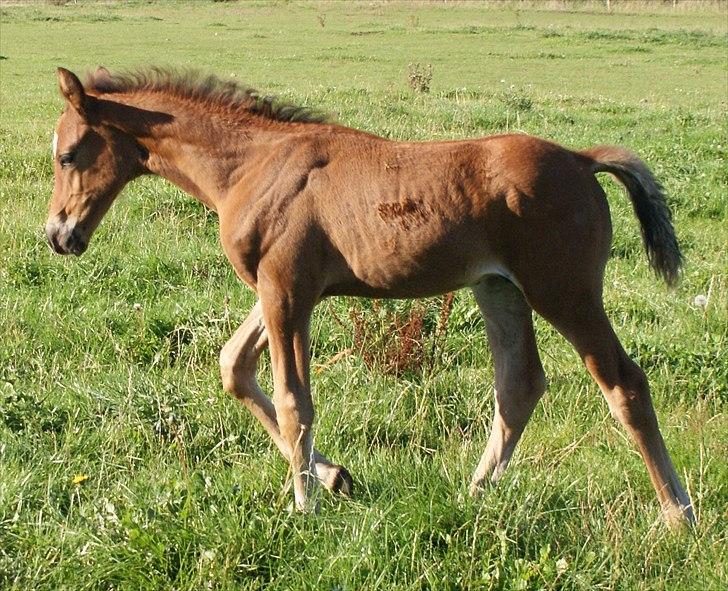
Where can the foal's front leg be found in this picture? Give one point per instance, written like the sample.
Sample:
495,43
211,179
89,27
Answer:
287,317
238,361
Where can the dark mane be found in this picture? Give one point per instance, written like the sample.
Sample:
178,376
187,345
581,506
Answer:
209,90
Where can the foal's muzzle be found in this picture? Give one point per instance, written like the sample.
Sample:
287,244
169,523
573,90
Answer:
64,239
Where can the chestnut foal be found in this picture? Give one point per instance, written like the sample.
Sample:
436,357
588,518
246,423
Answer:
309,209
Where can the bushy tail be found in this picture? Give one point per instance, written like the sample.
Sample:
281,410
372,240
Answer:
649,205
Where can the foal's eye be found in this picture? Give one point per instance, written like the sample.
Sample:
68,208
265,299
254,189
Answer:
66,159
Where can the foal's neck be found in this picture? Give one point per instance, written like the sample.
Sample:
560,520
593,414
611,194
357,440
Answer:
204,154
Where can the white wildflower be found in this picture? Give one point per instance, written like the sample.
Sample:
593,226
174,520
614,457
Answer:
701,301
561,565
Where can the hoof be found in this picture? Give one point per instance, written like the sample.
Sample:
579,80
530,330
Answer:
478,487
335,478
342,483
679,518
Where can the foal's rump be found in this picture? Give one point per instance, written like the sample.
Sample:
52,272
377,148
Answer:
553,225
549,221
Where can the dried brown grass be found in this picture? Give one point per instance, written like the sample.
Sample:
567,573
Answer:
397,342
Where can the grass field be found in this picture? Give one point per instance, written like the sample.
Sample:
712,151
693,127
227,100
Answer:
123,465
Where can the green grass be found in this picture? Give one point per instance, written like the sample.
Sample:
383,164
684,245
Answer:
108,363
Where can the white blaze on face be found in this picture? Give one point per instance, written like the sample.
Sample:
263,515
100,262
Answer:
55,144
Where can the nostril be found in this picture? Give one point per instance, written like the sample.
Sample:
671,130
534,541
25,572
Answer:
52,237
76,244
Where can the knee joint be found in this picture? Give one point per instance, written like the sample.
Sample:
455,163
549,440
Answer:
227,371
530,386
630,401
235,369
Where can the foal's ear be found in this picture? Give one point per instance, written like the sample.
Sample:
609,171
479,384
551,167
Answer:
72,90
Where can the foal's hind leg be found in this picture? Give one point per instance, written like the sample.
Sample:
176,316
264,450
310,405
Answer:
238,361
583,321
519,377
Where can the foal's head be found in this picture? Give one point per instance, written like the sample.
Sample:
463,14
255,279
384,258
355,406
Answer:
92,162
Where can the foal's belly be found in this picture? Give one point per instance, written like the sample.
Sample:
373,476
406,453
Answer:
409,266
415,286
